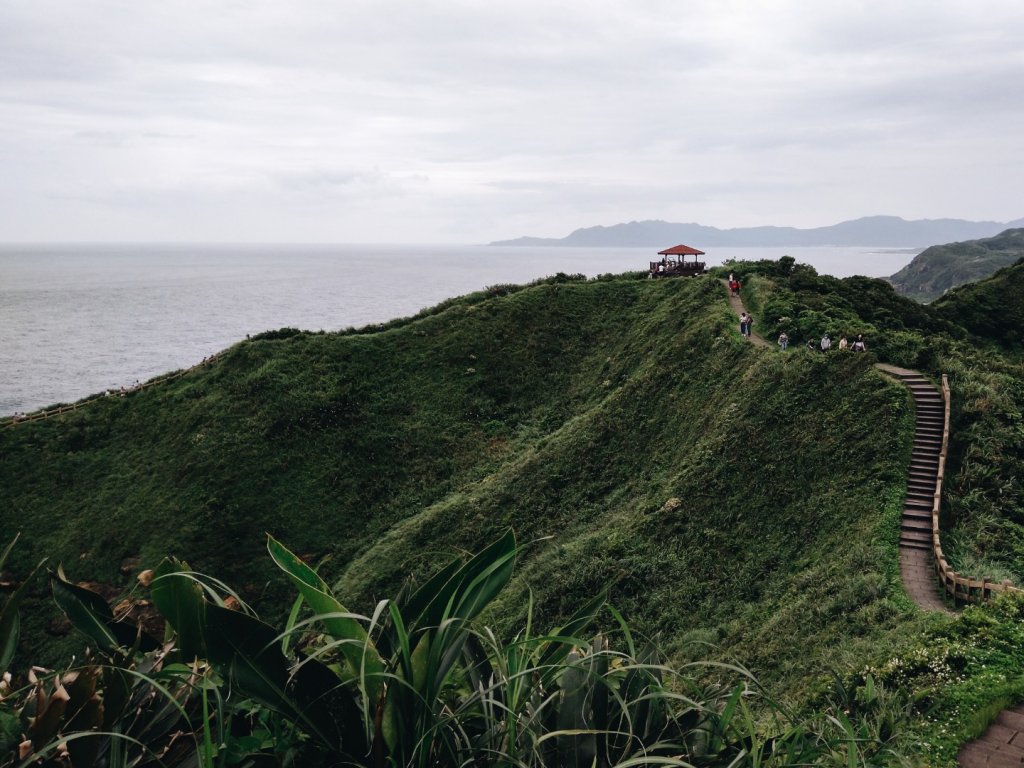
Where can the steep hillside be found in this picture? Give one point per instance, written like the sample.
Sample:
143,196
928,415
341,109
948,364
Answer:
941,267
726,494
991,310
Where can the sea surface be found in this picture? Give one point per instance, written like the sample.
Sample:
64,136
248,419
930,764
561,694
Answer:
79,319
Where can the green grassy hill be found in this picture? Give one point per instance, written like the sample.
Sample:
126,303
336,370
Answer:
623,419
941,267
724,494
991,310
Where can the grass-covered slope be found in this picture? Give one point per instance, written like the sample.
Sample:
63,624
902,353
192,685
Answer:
941,267
964,338
722,493
991,310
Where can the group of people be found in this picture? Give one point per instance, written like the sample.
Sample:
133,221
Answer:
824,345
734,285
745,322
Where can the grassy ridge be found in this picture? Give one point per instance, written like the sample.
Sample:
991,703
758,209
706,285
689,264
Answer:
727,492
728,495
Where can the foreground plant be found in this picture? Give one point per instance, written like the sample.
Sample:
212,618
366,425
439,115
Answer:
416,683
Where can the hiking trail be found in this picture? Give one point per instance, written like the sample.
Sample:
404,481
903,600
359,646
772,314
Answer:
1002,744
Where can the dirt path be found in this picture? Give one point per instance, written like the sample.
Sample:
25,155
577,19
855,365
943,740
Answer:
737,306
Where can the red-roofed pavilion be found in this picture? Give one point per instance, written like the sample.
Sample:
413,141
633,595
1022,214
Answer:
674,264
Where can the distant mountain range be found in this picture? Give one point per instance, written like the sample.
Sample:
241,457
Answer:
869,231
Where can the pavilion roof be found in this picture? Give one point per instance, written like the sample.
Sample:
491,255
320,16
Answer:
680,250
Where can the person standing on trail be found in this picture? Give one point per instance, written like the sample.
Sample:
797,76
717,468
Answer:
743,324
843,343
783,341
750,322
826,343
859,345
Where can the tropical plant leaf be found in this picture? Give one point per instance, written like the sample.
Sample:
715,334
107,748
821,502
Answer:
555,651
330,709
415,606
247,652
180,600
459,588
90,614
354,642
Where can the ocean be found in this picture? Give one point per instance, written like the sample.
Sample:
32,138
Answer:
78,319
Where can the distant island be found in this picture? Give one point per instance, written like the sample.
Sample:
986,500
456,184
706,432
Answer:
878,231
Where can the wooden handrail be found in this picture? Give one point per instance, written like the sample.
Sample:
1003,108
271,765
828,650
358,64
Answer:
10,421
961,588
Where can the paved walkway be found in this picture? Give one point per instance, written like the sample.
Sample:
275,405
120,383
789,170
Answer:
1002,745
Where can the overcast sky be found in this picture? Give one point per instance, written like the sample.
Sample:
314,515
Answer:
379,121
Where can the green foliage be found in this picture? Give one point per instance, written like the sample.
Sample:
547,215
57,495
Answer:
992,310
441,690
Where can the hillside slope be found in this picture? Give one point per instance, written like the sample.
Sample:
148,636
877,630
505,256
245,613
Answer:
993,309
723,493
941,267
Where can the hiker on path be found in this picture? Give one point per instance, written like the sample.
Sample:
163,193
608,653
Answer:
734,286
811,345
826,343
743,324
750,322
843,343
783,341
859,345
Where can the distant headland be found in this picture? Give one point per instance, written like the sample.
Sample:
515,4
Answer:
880,231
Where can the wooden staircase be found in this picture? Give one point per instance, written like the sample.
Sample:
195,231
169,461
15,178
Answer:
916,551
916,525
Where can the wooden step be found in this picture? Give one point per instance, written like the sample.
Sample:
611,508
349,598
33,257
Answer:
921,537
915,526
911,544
916,514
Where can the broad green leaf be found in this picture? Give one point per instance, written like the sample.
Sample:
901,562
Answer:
355,644
463,596
247,652
413,608
180,600
555,652
330,709
90,614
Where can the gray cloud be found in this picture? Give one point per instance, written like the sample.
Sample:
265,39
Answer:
460,121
